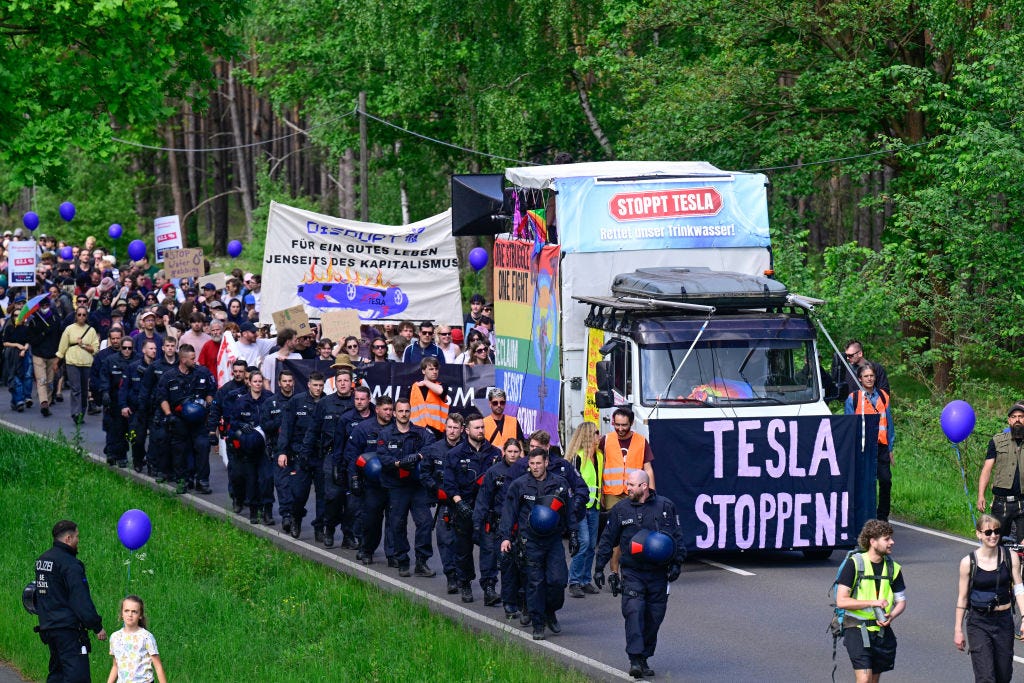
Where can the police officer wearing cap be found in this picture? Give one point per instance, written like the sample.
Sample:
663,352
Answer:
464,470
318,442
342,508
645,528
65,608
539,504
133,405
158,452
400,447
243,415
1004,467
360,450
432,476
296,421
112,375
186,425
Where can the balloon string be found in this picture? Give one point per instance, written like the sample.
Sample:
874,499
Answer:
963,476
131,554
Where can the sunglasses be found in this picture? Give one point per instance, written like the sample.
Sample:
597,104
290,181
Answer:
348,346
992,532
445,334
129,347
379,346
482,348
497,403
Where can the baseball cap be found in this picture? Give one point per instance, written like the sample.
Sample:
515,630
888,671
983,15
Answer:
215,303
1019,405
147,314
247,327
210,285
250,299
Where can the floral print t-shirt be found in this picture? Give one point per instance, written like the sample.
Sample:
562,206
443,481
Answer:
133,653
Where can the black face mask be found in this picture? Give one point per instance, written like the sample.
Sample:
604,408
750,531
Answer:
1017,431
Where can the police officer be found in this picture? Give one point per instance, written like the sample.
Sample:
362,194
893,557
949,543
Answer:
645,575
134,406
114,368
464,470
400,452
114,335
217,424
188,441
432,476
159,450
318,442
65,608
362,444
272,416
244,415
341,507
296,421
547,573
486,522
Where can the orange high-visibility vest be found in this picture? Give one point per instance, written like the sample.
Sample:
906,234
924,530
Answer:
617,467
509,429
427,412
865,407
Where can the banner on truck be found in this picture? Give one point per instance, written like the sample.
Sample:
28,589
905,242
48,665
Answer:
526,354
767,483
383,272
670,214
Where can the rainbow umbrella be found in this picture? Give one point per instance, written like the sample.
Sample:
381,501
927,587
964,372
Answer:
30,307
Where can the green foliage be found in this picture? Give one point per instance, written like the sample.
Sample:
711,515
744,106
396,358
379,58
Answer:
205,582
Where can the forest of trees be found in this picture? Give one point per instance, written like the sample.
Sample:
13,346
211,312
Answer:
890,131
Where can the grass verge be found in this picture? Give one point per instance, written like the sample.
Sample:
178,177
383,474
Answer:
223,605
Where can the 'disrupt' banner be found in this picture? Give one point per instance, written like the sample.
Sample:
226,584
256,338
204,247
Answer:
527,348
769,483
383,272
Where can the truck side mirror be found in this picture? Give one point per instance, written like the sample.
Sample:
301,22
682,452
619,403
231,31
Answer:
604,399
603,370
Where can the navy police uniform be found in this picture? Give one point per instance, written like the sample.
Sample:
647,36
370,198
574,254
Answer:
364,440
297,420
270,420
189,444
341,507
158,452
464,471
490,503
400,454
244,414
432,478
317,445
111,374
131,397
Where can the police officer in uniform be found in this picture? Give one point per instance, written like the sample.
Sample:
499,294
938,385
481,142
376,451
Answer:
272,415
297,420
217,425
432,476
318,443
644,575
134,405
342,508
362,444
159,450
244,415
546,570
464,470
65,608
400,451
486,521
113,370
188,442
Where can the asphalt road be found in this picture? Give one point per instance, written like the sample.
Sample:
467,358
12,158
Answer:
730,617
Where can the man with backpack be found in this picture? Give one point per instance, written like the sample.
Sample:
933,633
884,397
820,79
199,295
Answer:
870,593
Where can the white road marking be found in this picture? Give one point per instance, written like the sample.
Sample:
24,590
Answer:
734,570
932,532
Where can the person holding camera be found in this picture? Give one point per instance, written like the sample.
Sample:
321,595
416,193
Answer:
990,582
645,529
64,606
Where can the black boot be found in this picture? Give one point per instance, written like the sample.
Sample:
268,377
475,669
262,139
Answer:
318,534
286,524
647,670
328,537
236,506
453,584
296,530
254,515
636,670
266,518
491,596
423,570
467,592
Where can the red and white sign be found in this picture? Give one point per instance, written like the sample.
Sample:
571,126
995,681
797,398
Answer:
21,264
25,262
166,235
677,203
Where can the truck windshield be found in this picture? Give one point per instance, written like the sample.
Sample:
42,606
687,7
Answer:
733,372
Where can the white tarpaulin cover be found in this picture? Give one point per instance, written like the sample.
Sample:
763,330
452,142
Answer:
383,272
543,177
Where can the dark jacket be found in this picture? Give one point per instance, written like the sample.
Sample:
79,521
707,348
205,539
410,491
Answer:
62,591
657,513
527,491
318,441
44,334
394,447
563,468
465,467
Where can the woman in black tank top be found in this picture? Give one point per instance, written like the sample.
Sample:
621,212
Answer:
990,581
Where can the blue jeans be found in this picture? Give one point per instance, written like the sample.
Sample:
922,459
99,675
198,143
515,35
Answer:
22,380
581,569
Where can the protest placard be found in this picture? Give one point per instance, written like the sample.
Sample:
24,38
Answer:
182,263
294,318
336,325
219,280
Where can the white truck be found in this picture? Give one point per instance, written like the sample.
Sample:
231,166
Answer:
652,291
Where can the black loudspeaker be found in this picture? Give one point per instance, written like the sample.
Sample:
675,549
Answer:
478,205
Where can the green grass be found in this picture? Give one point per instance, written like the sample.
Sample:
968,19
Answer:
224,605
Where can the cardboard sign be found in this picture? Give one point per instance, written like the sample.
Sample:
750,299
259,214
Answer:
293,318
182,263
336,325
219,280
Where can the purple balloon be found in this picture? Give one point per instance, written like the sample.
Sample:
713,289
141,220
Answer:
31,220
234,248
134,529
136,250
957,420
115,230
67,211
478,258
67,253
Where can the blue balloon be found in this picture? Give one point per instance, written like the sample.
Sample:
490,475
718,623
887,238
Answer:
234,248
115,230
957,420
67,211
30,220
136,250
543,520
134,529
478,258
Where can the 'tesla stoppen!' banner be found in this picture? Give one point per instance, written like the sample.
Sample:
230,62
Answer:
769,483
383,272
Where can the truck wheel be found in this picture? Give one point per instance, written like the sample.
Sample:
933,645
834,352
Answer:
818,554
